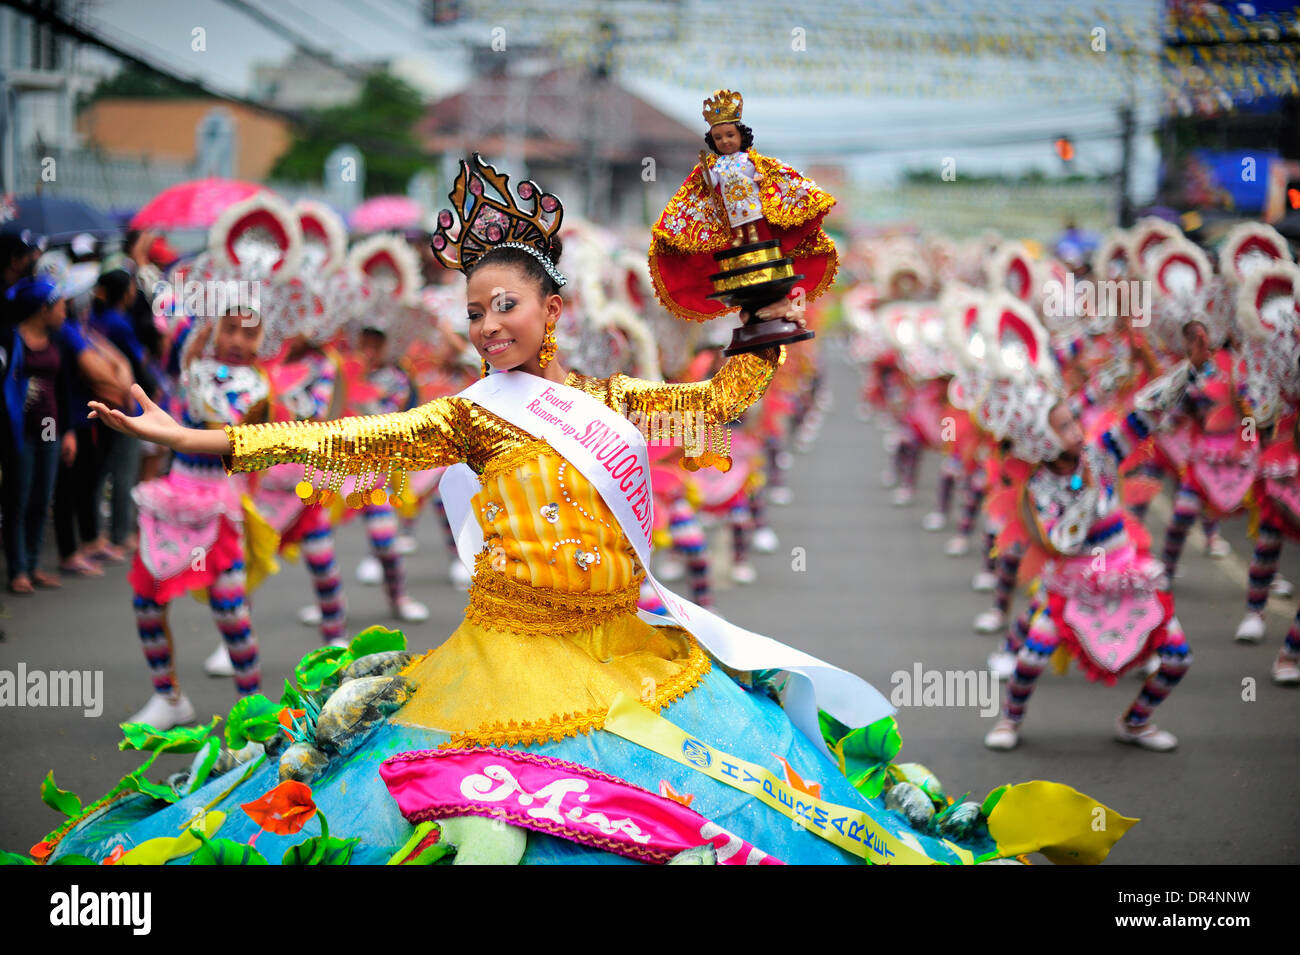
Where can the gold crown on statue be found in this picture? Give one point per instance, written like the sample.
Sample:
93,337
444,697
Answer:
479,221
723,106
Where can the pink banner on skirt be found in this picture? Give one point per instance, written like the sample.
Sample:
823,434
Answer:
557,797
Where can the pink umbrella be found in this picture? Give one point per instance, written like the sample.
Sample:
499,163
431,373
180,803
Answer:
192,205
384,213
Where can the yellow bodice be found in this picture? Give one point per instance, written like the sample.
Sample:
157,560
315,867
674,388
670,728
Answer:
551,634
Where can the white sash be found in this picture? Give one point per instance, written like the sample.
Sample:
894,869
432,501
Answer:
611,454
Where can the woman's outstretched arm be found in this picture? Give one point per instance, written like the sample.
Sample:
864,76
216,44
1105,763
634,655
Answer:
433,435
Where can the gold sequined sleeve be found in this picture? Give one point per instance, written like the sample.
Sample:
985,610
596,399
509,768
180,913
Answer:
433,435
738,384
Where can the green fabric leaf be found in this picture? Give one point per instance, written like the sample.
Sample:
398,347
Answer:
291,697
73,859
375,640
182,739
253,718
14,858
225,852
321,850
865,754
992,799
203,763
141,784
60,800
425,847
317,668
832,729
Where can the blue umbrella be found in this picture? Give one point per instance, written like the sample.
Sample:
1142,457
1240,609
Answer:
59,219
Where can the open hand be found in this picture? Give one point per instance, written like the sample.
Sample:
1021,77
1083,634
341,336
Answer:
152,424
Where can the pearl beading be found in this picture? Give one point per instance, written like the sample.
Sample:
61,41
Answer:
565,491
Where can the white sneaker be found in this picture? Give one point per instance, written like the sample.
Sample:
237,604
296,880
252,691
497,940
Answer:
780,496
934,521
1281,587
218,663
902,496
743,573
1148,736
338,642
1251,628
984,582
957,547
1286,669
405,544
310,616
991,621
1004,736
412,611
765,540
784,460
1217,547
162,714
370,571
459,575
1002,663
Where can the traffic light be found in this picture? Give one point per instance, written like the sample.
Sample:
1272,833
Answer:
1064,149
441,12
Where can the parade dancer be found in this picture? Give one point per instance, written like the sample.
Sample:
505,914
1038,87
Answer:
1269,369
1104,598
377,382
1211,387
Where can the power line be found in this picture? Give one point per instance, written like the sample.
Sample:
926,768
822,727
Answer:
322,24
299,42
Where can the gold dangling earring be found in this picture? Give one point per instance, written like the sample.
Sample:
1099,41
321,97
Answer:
487,369
548,347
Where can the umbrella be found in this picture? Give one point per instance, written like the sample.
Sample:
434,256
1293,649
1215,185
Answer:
384,213
192,205
58,219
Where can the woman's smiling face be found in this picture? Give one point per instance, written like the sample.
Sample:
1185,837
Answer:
508,316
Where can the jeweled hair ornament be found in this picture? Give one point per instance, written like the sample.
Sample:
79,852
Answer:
485,216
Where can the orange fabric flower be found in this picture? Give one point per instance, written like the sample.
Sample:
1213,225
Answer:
284,810
117,853
287,716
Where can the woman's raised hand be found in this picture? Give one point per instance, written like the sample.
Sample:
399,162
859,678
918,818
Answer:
152,424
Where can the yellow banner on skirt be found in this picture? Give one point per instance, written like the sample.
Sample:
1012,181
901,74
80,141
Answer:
853,830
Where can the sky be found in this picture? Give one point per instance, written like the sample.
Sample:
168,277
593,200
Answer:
876,137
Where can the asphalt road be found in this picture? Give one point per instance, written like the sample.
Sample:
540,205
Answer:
870,591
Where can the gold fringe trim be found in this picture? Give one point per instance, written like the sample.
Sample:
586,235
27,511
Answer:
501,603
563,725
514,459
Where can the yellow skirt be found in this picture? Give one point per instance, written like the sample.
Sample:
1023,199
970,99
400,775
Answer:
495,688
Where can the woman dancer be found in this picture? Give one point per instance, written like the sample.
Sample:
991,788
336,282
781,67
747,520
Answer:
551,647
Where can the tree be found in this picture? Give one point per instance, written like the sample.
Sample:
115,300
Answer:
381,123
135,82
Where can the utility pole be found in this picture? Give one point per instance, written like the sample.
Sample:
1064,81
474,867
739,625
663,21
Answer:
1126,159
